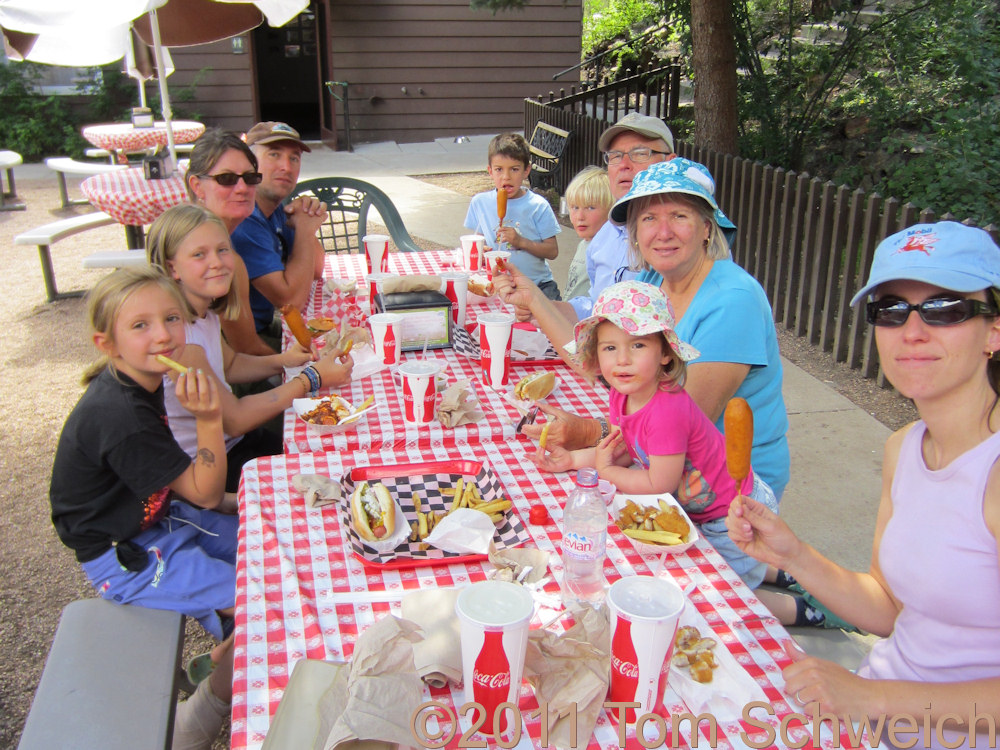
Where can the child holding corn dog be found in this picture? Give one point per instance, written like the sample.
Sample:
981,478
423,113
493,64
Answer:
661,441
191,245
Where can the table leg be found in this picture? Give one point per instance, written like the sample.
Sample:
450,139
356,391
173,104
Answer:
135,237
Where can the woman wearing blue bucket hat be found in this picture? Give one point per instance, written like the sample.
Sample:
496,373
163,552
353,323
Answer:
933,588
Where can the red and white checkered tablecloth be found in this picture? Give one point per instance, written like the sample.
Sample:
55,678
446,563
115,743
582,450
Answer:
129,198
123,136
301,593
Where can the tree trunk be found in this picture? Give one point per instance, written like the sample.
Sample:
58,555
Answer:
713,37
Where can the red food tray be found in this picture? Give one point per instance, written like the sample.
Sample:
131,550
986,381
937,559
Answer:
426,480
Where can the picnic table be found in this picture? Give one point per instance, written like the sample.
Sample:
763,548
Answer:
124,138
132,200
307,587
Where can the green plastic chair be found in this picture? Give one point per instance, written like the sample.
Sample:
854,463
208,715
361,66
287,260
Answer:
348,202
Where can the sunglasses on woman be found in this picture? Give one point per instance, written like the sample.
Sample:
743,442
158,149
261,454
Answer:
892,312
228,179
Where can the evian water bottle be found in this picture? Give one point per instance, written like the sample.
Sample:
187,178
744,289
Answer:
585,532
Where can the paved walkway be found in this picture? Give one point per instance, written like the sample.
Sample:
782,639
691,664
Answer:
836,447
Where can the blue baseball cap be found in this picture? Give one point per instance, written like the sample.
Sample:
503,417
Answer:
678,175
946,254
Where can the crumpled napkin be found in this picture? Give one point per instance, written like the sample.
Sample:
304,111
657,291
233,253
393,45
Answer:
317,489
438,657
570,672
513,562
411,283
463,531
528,344
341,286
338,338
458,405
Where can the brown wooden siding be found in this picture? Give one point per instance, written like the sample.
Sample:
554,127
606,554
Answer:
224,96
463,71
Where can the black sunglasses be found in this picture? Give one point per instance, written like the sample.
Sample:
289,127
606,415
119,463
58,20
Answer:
892,312
228,179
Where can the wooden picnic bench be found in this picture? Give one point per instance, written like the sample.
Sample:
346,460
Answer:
547,145
110,680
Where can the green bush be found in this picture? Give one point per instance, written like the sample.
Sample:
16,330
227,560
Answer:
32,124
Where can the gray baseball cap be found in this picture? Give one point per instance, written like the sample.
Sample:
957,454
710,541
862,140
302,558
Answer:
650,127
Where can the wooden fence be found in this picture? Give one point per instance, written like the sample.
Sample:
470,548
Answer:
808,242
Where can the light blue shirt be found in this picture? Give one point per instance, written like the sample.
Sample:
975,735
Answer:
729,320
607,264
532,217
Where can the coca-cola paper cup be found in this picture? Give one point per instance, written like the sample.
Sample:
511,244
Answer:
376,287
387,336
491,259
419,389
494,618
495,333
455,286
473,248
376,252
644,614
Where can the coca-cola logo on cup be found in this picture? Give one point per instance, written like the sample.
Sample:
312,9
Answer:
491,681
626,669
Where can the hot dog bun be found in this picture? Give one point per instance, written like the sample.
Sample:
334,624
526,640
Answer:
738,422
536,386
481,285
373,511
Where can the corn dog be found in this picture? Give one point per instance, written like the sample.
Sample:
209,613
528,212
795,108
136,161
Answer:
293,318
165,360
501,204
738,422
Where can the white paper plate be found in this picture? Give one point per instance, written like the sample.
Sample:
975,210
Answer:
304,405
621,501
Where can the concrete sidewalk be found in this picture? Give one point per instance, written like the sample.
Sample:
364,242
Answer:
836,447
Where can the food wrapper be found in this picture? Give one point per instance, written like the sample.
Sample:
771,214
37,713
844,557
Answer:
364,705
528,344
317,489
464,531
438,657
570,672
338,337
458,405
526,565
412,283
346,287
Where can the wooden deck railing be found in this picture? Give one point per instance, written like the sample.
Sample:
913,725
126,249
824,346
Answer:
808,242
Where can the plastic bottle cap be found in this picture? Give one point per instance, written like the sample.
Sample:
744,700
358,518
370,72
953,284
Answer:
538,514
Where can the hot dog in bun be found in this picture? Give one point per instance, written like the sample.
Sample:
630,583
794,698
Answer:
536,386
373,511
481,285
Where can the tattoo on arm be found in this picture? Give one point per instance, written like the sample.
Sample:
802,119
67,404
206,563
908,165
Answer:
206,456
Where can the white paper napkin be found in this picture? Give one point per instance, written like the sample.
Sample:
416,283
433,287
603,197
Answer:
463,531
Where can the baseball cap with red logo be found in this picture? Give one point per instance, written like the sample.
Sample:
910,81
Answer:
272,132
946,254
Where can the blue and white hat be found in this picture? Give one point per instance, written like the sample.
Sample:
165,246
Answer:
946,254
678,175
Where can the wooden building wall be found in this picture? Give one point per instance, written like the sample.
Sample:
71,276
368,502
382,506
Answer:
225,91
421,69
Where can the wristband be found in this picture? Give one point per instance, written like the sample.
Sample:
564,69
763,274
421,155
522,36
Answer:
605,429
315,382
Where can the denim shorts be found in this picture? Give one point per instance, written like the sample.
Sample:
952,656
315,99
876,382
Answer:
191,570
749,569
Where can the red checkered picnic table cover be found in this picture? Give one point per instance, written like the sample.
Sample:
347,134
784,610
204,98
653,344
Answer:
129,198
123,136
303,594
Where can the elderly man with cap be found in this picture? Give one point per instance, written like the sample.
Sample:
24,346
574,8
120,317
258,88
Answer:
278,243
629,146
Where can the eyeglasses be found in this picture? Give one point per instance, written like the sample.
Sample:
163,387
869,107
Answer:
638,155
228,179
940,311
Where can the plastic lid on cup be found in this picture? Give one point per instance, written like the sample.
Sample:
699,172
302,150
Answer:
420,367
646,597
495,603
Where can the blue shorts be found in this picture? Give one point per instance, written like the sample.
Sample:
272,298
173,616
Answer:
192,567
749,569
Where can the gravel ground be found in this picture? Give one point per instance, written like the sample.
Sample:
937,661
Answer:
45,348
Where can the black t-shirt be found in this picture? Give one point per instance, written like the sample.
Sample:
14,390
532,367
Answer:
115,460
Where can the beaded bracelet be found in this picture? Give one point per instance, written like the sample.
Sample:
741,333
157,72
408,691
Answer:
315,382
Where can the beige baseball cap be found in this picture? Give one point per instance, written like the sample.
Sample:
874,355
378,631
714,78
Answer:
272,132
650,127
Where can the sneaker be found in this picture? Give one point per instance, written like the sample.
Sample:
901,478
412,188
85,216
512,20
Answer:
809,612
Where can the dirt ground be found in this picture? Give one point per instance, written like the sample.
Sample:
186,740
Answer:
44,349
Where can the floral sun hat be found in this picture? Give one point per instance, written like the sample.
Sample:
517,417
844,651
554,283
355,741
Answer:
679,175
638,309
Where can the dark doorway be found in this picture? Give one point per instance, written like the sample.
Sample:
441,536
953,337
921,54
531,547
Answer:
287,78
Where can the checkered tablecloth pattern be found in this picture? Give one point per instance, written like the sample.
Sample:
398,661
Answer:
301,593
129,198
123,136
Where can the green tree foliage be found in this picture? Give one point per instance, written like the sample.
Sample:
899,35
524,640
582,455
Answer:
32,124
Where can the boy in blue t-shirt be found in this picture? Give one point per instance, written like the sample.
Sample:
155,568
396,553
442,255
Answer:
530,227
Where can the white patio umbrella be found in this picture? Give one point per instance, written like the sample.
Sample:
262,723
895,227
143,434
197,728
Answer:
81,33
141,65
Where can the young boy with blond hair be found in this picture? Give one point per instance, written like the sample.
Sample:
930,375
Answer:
530,227
588,197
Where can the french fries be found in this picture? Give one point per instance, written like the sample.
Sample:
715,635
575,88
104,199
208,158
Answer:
163,359
465,494
662,524
544,437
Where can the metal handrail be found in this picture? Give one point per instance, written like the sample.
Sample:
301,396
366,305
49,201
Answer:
347,107
618,46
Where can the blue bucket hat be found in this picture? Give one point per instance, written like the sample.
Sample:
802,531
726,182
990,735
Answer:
946,254
678,175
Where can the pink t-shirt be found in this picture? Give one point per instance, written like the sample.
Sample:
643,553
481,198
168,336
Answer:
671,424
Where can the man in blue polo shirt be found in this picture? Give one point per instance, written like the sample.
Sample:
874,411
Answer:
278,243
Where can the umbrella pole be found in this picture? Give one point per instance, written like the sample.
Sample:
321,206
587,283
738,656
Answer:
164,96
